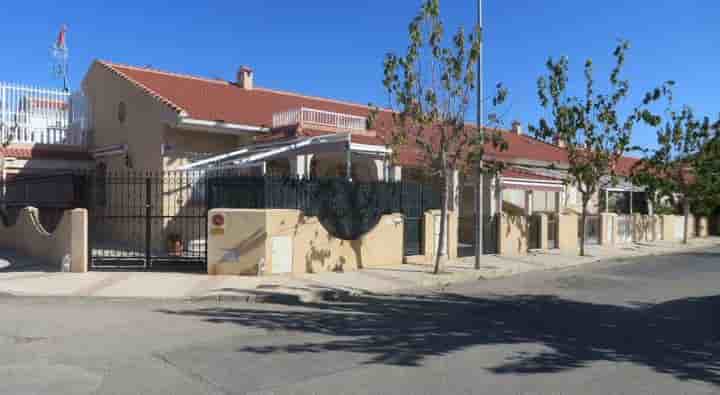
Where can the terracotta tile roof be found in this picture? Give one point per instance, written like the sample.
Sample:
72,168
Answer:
35,152
625,165
216,100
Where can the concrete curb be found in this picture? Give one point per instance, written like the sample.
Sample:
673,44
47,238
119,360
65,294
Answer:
309,297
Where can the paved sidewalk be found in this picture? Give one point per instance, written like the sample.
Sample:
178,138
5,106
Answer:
24,277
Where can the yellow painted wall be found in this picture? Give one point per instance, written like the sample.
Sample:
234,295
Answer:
568,233
183,142
145,121
240,248
703,227
28,236
513,236
246,243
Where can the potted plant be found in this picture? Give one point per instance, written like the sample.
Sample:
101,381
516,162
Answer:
175,243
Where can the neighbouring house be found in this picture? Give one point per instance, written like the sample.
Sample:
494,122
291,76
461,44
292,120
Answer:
47,132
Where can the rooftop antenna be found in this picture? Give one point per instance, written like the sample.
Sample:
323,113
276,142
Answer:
60,56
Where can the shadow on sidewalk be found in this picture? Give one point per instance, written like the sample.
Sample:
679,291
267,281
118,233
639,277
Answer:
679,337
19,263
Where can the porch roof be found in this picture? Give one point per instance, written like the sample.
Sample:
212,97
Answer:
517,178
326,143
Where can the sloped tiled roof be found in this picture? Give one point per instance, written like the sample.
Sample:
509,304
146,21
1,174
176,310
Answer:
217,100
50,152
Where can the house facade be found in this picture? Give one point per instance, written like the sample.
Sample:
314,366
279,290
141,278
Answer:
143,121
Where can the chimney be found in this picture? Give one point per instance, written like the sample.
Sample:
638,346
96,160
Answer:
245,77
517,128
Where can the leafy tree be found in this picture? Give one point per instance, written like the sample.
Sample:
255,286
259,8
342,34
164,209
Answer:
685,164
430,90
592,127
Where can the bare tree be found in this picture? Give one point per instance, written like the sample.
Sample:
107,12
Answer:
430,90
592,128
684,163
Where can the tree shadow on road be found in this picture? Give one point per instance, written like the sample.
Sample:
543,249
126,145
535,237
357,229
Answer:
679,337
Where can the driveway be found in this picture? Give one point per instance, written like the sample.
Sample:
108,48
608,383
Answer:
650,326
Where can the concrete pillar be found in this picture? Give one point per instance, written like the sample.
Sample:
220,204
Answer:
396,173
607,201
608,229
300,165
79,241
455,190
529,203
568,240
544,236
668,227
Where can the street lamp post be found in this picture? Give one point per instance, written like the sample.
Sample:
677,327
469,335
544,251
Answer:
479,220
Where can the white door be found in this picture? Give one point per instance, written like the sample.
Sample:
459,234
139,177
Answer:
281,257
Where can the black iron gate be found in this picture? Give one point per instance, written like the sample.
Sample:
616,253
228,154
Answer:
592,229
415,200
412,209
148,221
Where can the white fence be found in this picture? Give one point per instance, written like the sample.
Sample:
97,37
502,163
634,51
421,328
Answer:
31,115
309,117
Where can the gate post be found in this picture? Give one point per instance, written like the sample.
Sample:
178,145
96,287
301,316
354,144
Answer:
544,231
148,220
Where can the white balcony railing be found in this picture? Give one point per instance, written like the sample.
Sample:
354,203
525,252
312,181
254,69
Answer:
308,117
41,116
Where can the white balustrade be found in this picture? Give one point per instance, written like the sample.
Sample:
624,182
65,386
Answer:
31,115
310,117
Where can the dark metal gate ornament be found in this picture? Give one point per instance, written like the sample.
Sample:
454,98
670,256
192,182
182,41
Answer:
349,210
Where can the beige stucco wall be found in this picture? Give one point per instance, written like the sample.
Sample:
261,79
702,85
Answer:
568,241
646,227
29,237
432,227
183,142
245,245
668,227
513,235
145,123
240,249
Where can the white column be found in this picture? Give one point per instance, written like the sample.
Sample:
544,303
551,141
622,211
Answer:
631,202
498,196
300,165
455,190
607,201
396,173
529,202
381,169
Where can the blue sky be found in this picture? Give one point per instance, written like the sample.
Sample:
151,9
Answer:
335,48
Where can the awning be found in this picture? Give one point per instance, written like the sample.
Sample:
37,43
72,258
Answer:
252,155
515,178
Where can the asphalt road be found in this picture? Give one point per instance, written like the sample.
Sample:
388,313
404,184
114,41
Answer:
650,326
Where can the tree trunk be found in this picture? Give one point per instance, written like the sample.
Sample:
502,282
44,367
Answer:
686,212
583,216
443,220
